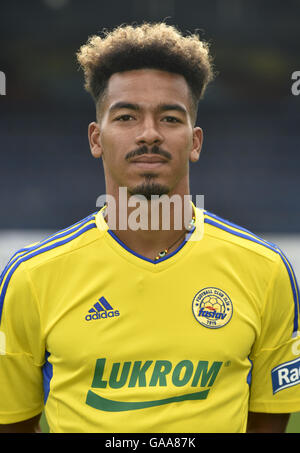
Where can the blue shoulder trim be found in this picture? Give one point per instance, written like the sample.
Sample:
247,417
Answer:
29,252
218,222
52,237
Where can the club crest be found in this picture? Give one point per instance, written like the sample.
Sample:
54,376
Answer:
212,307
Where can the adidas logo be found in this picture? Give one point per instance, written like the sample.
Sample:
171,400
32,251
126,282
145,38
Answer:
101,310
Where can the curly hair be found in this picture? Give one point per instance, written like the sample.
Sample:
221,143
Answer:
150,45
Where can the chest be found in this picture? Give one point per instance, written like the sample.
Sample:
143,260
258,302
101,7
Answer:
129,316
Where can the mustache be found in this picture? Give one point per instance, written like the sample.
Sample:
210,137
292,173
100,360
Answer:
145,150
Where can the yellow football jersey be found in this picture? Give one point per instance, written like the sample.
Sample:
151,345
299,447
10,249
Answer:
106,340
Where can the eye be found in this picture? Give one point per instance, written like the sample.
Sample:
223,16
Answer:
171,119
124,118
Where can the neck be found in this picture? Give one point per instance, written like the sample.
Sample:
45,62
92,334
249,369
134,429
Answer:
150,227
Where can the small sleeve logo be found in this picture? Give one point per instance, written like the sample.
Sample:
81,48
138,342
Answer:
286,375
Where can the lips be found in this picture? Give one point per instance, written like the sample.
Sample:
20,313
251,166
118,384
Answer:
148,161
151,159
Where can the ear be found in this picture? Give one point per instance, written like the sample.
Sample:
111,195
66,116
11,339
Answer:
197,144
94,140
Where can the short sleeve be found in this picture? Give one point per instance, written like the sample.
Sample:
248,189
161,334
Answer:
275,383
21,348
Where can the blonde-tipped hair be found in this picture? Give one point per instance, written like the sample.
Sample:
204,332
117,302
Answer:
150,45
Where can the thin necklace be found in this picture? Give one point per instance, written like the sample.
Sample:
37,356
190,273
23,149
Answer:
164,252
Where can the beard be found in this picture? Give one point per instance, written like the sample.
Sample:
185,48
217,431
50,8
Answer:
149,188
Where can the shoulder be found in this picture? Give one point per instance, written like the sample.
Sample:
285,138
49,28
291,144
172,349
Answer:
258,254
14,279
240,237
57,244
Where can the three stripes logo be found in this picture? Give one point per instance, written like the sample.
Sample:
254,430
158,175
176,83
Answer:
101,310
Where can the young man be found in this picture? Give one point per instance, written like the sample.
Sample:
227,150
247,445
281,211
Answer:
118,329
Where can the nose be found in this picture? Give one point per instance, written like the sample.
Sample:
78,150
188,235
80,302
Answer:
149,133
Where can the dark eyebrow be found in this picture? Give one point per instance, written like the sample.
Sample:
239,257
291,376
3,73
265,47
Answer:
161,107
177,107
123,105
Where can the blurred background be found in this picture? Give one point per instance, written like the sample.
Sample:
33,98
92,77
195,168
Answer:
249,168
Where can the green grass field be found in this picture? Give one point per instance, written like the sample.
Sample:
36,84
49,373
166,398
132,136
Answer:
294,423
293,426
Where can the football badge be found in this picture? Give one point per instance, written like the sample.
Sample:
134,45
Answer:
212,307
